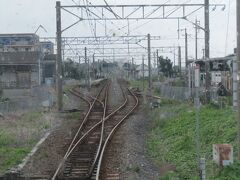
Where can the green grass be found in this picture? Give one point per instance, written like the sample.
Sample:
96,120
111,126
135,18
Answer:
66,88
74,115
18,136
172,137
31,116
10,156
134,168
139,84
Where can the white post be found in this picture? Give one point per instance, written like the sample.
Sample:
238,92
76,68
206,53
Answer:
203,168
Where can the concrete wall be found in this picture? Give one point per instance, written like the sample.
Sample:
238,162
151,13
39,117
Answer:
8,76
8,79
34,78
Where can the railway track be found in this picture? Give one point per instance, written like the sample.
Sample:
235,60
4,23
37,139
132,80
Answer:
80,154
110,173
86,152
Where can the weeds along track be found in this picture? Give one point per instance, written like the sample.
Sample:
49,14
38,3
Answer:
85,154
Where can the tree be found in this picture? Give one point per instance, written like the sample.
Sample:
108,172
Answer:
71,69
165,66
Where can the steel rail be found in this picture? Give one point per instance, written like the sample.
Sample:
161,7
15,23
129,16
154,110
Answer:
75,137
112,133
102,131
94,128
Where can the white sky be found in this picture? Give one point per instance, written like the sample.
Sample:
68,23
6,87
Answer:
24,16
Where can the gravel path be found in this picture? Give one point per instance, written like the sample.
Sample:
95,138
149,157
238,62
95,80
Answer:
134,161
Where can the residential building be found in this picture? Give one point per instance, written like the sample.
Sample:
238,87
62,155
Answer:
23,59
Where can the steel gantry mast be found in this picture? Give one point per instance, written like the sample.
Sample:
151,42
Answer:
109,12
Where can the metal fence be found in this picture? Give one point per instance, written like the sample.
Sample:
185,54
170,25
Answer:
19,105
184,93
40,97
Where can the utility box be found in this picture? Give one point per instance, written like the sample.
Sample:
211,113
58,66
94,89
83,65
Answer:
223,154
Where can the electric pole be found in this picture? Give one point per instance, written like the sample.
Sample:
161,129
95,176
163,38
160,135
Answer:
207,52
186,48
179,60
238,85
86,64
154,60
143,72
196,40
132,69
157,63
79,68
93,67
59,57
89,85
99,68
149,64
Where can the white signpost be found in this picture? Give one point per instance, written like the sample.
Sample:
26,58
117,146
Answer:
197,76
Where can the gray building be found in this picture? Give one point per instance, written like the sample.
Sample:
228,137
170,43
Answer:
23,59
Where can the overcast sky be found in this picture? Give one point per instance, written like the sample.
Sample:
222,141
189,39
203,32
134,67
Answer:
24,16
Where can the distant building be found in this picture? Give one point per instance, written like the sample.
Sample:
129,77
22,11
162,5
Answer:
142,70
23,60
47,47
19,42
221,70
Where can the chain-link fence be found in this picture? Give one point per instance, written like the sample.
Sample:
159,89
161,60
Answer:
184,93
40,97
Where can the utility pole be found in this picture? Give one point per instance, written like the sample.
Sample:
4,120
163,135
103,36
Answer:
187,67
197,115
99,68
203,53
154,59
207,51
132,69
238,85
86,64
196,40
174,57
179,60
59,57
174,61
186,48
143,77
89,85
93,66
157,63
79,61
149,64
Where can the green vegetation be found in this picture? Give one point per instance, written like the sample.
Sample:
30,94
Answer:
11,156
18,134
134,168
66,88
172,138
139,83
74,115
